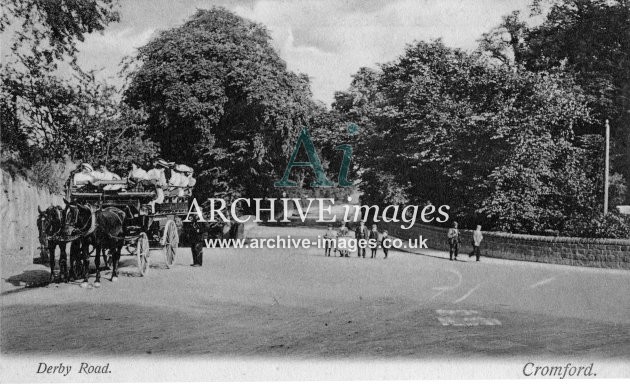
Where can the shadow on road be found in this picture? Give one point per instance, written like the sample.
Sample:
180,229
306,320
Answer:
29,279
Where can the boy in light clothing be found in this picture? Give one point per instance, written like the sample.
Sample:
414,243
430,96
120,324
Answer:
477,237
386,243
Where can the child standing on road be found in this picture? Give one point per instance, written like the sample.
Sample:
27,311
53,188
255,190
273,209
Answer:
373,238
477,237
329,239
385,243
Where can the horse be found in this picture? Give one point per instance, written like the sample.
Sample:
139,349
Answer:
107,233
50,223
78,225
110,229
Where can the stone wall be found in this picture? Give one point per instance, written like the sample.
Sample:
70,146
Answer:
18,215
603,253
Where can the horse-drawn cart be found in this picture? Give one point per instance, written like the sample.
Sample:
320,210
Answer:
146,226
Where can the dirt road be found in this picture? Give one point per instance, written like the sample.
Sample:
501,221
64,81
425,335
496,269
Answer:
301,304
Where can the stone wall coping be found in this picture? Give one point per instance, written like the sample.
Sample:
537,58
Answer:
544,239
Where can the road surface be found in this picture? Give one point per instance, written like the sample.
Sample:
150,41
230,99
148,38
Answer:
301,304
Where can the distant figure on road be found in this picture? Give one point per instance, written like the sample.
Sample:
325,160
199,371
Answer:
373,237
343,230
343,250
329,239
385,244
453,241
477,237
361,233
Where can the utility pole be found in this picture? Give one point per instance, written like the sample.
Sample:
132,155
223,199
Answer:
606,167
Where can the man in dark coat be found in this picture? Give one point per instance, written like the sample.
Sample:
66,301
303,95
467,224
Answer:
361,233
198,233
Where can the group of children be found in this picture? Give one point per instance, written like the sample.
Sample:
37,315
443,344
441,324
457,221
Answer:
375,240
364,237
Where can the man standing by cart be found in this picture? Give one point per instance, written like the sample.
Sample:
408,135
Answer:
198,235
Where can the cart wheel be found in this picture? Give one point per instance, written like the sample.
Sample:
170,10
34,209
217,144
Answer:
170,240
142,253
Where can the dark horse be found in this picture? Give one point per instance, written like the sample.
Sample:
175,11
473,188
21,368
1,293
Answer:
79,225
107,233
50,226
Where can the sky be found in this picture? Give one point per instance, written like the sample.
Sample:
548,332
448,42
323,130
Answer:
329,40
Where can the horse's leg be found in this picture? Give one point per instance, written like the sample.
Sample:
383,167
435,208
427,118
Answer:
51,259
74,254
97,263
85,257
119,247
63,263
115,251
115,258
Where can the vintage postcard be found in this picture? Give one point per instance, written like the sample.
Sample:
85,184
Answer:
340,190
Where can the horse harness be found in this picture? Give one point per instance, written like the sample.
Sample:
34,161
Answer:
88,228
45,216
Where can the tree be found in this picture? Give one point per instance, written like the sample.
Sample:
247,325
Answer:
45,32
494,143
82,120
104,130
590,39
37,104
218,97
507,41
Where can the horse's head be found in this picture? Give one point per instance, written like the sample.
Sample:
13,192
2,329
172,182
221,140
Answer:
76,217
50,221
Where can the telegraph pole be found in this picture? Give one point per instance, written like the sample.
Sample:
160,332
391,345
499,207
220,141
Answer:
606,167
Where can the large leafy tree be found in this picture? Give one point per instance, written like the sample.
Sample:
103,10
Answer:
590,39
348,122
495,144
218,97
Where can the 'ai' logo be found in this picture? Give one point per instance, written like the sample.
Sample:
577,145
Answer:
315,164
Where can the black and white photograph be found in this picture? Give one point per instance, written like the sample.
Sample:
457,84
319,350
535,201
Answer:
314,190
